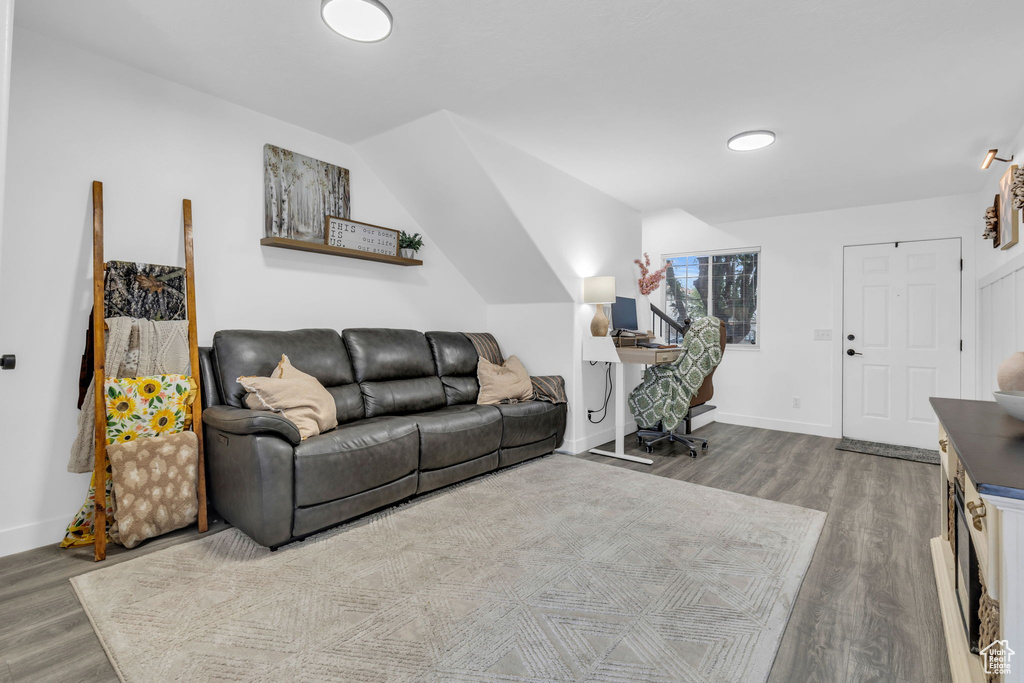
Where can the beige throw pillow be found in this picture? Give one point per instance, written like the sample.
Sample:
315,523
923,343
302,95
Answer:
294,394
154,480
500,382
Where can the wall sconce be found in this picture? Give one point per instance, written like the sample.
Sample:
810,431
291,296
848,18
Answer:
991,156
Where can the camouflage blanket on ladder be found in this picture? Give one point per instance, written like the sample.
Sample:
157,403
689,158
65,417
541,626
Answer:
664,395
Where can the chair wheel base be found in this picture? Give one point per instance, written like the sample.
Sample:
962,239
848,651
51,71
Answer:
692,444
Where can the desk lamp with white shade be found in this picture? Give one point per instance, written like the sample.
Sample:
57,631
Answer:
599,290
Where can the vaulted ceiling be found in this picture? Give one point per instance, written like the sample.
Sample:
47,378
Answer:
873,101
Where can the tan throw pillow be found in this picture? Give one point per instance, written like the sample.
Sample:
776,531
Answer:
501,382
294,394
154,481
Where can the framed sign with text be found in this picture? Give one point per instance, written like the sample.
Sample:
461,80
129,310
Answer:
350,234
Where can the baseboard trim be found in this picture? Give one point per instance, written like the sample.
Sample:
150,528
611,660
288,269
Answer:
608,434
703,419
594,439
776,425
32,536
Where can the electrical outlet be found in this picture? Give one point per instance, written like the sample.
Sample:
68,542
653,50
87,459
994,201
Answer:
796,402
823,335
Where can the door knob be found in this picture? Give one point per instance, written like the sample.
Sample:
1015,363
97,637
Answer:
851,352
8,361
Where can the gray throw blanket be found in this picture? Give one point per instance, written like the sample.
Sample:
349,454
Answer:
134,348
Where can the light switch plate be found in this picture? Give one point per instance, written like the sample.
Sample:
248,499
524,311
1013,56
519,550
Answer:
823,335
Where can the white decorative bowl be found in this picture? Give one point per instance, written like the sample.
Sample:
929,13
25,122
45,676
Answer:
1012,402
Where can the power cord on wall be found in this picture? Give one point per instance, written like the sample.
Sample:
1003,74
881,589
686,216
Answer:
607,397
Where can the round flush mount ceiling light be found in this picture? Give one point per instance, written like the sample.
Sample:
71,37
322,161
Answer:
365,21
751,140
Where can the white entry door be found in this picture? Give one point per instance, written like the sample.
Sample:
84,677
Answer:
901,338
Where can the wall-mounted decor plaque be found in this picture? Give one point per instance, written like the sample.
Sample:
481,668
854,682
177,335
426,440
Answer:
349,234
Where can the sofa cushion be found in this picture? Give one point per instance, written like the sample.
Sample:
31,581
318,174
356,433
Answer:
455,359
348,402
503,382
518,454
401,396
354,458
453,353
529,422
297,396
455,434
318,352
460,390
316,517
429,480
383,354
395,371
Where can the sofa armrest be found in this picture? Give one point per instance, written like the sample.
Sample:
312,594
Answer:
250,480
244,421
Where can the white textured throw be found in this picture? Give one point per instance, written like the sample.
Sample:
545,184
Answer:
163,347
163,350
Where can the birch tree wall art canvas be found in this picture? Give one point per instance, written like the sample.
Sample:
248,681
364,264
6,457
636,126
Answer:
299,192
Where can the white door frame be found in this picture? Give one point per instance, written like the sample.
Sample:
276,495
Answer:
839,344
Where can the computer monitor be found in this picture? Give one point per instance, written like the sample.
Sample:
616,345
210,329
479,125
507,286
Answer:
624,314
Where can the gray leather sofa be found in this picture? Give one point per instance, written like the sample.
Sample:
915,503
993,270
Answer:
408,423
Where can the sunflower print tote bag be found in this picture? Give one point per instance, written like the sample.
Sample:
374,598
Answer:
136,408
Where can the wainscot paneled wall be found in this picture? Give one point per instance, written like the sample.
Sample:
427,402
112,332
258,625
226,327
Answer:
1001,321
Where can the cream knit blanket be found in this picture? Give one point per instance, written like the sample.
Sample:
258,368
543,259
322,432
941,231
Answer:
134,348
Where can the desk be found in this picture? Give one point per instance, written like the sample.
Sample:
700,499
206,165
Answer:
603,350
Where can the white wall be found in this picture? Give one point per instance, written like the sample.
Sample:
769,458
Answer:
1000,283
6,36
525,234
1000,320
801,290
580,232
76,117
436,176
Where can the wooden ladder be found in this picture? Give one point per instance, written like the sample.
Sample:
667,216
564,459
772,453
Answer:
99,357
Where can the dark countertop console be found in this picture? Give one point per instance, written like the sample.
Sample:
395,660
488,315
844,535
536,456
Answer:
990,444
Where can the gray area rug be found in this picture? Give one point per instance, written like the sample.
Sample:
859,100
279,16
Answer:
555,570
889,450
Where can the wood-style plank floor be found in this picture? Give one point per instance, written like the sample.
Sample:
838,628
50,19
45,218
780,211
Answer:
867,610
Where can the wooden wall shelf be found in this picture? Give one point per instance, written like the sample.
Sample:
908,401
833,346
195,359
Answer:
300,245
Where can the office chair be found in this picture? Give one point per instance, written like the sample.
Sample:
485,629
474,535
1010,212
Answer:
698,405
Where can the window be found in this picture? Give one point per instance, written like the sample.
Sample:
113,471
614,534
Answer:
722,284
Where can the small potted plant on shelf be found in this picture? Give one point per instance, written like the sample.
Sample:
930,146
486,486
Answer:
409,244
